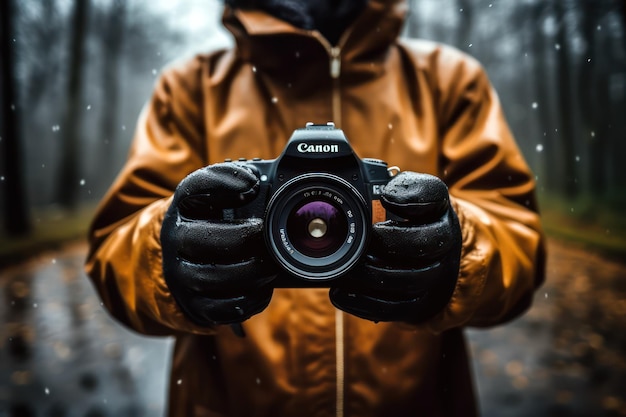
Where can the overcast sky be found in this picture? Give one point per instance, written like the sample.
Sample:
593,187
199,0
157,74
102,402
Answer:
201,20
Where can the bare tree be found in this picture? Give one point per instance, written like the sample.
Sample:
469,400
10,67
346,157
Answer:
69,168
16,215
466,23
112,41
566,98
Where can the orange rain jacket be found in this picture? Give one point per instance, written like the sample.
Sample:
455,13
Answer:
415,104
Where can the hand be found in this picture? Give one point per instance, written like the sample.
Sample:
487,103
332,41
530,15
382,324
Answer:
412,264
215,268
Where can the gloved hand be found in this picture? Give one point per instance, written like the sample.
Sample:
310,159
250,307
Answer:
412,265
214,267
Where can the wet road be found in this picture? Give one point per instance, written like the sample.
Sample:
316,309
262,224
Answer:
61,355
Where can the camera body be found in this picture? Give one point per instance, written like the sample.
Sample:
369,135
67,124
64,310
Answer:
318,200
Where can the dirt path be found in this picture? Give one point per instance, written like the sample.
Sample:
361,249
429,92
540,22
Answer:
567,355
62,355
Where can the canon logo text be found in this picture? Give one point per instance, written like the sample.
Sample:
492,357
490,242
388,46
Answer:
305,148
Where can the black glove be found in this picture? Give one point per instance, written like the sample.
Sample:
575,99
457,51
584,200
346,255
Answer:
412,264
214,267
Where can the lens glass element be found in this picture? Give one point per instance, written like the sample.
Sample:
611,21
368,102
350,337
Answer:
317,228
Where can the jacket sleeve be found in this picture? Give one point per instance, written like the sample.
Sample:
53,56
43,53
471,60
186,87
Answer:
493,192
124,258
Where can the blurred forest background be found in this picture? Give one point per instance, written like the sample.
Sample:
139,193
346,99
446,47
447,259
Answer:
75,74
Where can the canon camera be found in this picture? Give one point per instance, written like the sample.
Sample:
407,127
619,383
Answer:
318,201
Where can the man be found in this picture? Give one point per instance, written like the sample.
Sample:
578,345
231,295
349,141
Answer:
166,262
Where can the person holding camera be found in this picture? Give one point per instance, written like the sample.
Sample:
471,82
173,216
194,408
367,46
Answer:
337,309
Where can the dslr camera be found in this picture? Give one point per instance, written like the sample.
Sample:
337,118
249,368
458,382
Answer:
318,201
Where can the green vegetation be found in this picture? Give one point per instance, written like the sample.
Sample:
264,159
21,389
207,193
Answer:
52,227
594,225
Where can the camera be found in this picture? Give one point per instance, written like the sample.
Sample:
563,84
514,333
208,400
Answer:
318,200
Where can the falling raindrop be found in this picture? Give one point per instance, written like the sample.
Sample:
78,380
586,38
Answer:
47,391
253,68
154,71
180,381
274,100
539,148
89,107
557,46
82,182
535,105
258,381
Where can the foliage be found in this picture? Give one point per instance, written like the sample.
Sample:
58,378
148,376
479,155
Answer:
586,221
53,227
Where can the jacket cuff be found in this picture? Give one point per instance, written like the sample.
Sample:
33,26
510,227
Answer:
472,276
164,308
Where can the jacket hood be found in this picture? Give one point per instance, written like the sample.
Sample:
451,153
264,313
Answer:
268,42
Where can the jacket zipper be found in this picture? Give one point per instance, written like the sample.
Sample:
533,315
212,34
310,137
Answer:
335,72
340,362
334,54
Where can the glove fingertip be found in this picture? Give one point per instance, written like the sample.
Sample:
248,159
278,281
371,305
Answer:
416,196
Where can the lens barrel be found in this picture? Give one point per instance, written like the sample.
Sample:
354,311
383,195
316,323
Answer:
317,226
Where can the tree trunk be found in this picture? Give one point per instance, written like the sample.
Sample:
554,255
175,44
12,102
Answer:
593,89
548,168
67,187
466,22
16,214
112,40
565,100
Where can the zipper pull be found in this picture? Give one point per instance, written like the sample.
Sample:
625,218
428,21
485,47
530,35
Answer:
335,61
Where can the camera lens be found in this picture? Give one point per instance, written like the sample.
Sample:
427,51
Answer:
317,228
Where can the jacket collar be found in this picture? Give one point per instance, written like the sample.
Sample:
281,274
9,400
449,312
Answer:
267,41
